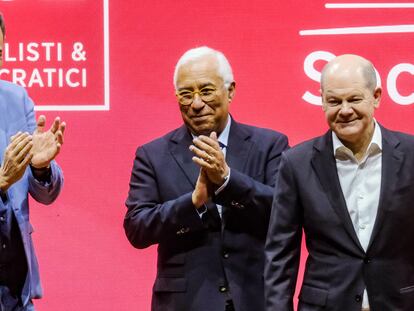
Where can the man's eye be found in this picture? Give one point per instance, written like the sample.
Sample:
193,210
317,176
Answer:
334,102
207,92
186,95
354,100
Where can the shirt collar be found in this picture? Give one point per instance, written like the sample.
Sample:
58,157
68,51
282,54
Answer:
224,136
375,146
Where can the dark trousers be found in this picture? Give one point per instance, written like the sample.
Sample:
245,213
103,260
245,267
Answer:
10,302
229,305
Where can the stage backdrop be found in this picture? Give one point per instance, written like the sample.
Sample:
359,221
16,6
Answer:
106,68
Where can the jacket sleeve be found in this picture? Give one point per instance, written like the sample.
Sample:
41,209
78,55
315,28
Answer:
243,192
46,192
283,242
42,192
149,220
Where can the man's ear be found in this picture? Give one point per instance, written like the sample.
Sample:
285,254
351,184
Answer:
323,104
232,90
377,96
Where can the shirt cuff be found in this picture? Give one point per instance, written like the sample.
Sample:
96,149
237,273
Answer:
226,181
42,175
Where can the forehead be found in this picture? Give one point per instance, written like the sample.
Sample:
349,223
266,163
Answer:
199,72
343,83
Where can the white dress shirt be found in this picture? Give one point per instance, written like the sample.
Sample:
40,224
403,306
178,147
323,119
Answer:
361,182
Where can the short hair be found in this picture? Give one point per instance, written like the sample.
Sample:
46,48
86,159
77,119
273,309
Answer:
224,68
2,25
367,70
370,76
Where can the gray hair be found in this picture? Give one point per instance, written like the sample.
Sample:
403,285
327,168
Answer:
224,68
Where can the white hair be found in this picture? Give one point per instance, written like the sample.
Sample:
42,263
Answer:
224,68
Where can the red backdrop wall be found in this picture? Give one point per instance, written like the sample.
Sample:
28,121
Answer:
86,262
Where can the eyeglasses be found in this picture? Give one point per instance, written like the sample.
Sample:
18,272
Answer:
186,97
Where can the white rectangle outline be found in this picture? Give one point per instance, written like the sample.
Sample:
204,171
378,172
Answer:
105,106
359,30
364,5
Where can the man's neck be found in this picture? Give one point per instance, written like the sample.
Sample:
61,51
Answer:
359,147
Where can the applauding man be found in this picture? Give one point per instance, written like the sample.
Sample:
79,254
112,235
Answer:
27,151
203,193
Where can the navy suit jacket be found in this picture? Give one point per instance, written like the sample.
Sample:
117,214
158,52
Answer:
203,262
17,114
308,196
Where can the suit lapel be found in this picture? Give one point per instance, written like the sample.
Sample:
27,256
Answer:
324,164
238,148
237,154
392,160
180,142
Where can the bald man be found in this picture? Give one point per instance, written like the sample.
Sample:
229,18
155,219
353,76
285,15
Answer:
351,192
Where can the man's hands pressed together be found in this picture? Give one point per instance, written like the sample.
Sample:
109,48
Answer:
214,169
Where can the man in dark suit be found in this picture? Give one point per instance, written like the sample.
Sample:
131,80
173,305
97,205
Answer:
351,191
203,193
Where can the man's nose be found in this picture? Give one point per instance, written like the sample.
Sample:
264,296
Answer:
197,102
346,108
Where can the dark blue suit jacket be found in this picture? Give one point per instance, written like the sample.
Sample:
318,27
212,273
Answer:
201,263
309,197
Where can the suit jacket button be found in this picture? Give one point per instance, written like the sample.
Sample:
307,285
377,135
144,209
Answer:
358,298
367,260
222,289
225,255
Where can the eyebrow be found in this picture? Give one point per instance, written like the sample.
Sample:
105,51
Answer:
352,93
202,86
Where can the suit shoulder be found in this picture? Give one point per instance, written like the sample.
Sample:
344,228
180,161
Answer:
302,150
403,136
406,141
11,89
262,132
16,96
158,144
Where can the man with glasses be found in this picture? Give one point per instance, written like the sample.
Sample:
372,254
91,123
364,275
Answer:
203,193
351,191
27,151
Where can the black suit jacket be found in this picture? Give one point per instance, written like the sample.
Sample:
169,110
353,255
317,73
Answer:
308,196
203,262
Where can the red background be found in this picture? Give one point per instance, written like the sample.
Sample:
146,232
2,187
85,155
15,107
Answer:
86,262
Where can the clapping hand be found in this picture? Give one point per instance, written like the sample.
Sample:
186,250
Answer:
16,158
46,144
209,156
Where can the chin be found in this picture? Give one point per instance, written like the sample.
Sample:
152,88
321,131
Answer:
348,136
202,131
353,129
